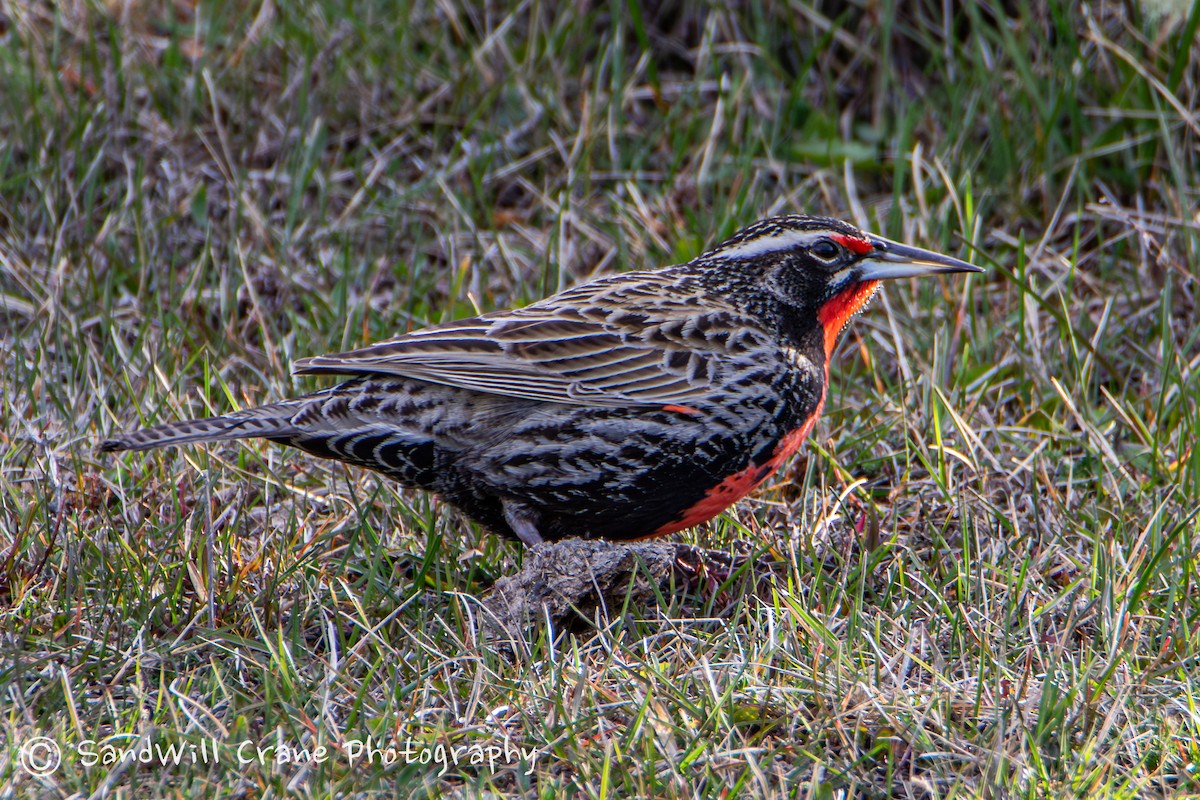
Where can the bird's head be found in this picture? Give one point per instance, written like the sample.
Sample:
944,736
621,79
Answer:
823,269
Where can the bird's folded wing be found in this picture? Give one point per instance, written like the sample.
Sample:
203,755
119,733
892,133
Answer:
540,355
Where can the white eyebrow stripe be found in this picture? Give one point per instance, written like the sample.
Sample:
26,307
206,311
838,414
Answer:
770,243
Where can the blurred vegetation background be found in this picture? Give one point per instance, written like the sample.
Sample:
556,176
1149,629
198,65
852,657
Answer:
990,540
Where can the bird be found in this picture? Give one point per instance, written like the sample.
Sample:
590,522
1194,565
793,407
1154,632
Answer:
631,406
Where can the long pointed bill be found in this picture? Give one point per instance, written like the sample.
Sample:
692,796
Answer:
885,260
890,259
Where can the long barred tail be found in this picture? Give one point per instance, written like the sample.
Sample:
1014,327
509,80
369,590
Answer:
265,421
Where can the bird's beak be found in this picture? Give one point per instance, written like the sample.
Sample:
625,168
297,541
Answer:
890,259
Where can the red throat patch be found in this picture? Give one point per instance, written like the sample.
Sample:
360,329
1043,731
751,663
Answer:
838,310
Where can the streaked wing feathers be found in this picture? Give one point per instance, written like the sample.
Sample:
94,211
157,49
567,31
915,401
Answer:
550,354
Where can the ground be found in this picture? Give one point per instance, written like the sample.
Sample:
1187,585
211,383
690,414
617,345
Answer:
988,546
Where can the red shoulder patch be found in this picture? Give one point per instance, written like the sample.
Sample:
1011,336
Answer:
688,410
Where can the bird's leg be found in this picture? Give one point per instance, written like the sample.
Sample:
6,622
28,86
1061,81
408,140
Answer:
523,520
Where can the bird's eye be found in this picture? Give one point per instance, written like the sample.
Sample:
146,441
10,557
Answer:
825,250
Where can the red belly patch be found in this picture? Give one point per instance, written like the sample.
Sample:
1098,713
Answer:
740,484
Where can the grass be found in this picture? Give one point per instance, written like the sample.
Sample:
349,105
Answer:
991,537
